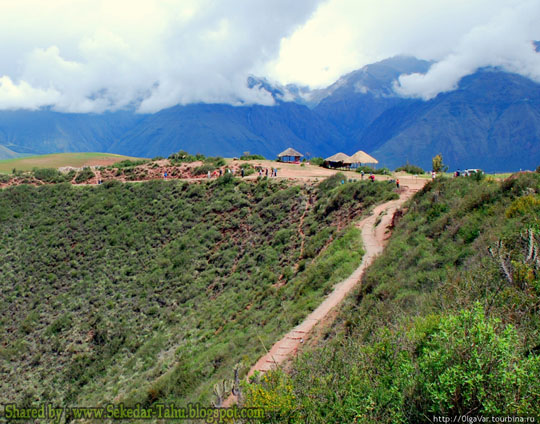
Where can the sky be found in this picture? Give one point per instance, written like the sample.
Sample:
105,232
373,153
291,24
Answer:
96,55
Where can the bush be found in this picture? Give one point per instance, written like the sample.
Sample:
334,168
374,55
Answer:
204,169
252,157
49,175
410,169
129,163
317,161
470,363
368,170
183,156
84,175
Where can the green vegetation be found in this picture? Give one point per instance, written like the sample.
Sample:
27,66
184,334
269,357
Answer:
152,292
317,161
445,323
370,170
130,163
437,164
57,160
252,157
410,169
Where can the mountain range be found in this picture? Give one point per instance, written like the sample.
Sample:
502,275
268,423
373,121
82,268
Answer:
491,121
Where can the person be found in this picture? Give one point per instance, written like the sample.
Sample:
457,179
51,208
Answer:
397,182
243,172
372,178
220,172
275,172
266,171
433,174
208,175
362,173
165,175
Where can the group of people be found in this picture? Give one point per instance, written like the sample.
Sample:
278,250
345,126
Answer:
264,172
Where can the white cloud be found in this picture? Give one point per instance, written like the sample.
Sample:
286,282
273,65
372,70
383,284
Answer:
108,54
505,42
96,55
344,35
24,96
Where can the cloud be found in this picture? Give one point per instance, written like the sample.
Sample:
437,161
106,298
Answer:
97,55
505,42
24,96
344,35
92,56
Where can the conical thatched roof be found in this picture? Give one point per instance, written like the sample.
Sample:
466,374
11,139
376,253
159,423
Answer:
363,157
339,157
290,152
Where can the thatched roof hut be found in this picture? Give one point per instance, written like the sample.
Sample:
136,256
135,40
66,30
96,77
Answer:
339,160
362,157
286,155
339,157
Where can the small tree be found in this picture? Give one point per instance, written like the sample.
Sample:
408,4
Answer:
438,165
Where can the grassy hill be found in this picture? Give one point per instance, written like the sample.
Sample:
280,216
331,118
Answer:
57,160
153,291
446,322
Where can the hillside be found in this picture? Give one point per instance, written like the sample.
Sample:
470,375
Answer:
45,131
445,322
77,160
230,130
153,291
475,126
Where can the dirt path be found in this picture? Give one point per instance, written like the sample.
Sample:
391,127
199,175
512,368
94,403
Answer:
374,239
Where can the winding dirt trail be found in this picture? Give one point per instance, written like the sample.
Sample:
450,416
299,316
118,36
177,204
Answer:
374,239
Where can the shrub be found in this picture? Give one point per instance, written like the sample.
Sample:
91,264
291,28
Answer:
84,175
252,157
368,169
204,169
317,161
471,363
410,169
49,175
523,206
129,163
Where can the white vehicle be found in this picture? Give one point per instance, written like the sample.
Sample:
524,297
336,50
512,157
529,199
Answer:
469,172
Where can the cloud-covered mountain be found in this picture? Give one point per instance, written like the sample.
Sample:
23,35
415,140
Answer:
491,120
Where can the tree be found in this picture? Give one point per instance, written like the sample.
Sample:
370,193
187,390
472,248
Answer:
438,165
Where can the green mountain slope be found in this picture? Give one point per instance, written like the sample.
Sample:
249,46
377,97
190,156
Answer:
153,291
445,323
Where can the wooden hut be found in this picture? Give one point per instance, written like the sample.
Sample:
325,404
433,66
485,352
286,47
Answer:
339,160
290,155
362,158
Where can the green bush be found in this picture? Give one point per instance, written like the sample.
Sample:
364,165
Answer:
368,170
316,161
410,169
49,175
84,175
204,169
128,163
472,363
252,157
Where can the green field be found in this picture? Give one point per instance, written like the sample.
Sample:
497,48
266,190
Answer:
57,160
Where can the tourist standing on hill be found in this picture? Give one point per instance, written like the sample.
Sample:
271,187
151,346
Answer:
397,182
243,172
362,173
